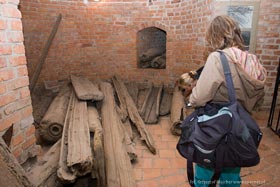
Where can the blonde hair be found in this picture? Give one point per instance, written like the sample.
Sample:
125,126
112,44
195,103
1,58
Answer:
224,32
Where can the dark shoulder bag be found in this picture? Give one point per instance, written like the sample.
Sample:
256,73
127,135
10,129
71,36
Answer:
220,135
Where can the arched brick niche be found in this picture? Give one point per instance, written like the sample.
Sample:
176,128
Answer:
151,48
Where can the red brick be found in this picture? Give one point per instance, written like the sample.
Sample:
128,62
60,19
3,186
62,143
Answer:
6,74
3,24
144,163
173,180
161,163
17,139
28,143
16,25
147,184
167,153
5,49
19,49
151,173
11,11
26,112
22,71
17,151
30,131
7,122
2,36
17,60
3,62
2,88
18,83
15,36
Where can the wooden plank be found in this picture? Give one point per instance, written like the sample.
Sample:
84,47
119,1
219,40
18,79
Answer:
97,146
44,53
118,166
136,118
79,157
11,172
65,175
85,89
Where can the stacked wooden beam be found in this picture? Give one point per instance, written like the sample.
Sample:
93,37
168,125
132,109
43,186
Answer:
89,144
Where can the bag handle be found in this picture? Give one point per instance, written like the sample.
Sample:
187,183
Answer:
228,77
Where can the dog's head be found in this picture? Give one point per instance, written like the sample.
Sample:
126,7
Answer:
186,82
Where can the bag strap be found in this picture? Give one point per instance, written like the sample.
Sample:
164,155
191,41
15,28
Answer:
190,172
232,99
228,77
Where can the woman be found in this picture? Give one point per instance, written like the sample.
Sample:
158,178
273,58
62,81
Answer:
248,77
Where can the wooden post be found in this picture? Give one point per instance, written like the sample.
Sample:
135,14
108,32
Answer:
44,54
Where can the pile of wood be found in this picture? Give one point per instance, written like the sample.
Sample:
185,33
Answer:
153,58
92,132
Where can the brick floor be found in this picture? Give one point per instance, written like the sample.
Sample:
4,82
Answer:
168,169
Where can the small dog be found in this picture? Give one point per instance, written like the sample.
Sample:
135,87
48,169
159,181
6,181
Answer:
187,81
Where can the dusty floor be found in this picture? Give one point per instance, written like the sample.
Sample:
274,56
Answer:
167,167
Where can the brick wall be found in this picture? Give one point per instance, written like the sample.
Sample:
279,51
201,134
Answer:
99,39
268,42
15,101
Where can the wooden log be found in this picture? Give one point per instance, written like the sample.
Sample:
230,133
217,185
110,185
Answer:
79,157
64,174
44,172
136,118
97,146
151,53
85,89
159,62
177,111
44,54
118,166
51,126
165,103
11,172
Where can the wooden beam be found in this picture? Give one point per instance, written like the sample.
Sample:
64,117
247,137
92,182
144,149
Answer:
118,166
85,89
136,118
44,54
97,146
